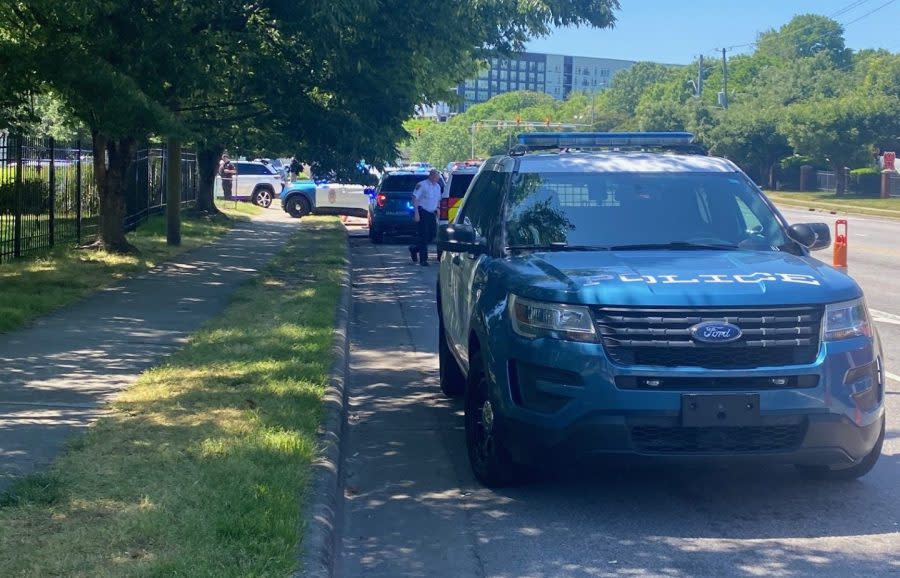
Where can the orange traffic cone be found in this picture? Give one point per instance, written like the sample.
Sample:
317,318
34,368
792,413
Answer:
840,245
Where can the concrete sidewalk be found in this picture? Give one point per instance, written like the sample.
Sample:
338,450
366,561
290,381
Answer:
56,376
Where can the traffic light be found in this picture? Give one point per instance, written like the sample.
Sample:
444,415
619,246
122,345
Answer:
418,131
547,122
500,125
518,120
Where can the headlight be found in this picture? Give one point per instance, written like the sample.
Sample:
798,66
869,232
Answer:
541,319
846,320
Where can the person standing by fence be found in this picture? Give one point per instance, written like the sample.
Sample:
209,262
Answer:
227,172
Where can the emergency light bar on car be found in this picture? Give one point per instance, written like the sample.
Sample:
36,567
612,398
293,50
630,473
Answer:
537,140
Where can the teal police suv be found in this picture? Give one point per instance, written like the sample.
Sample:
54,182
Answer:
626,294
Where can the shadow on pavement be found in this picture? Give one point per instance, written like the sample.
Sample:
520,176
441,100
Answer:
412,507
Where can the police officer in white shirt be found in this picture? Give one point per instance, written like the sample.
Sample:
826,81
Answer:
426,199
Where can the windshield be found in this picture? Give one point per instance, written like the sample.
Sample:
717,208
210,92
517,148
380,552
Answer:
626,209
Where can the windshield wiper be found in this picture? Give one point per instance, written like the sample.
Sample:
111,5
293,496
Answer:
676,246
557,247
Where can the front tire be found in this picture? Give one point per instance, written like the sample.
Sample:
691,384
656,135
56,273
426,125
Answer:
858,470
263,197
489,458
453,382
297,206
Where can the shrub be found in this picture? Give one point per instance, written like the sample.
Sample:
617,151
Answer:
35,197
865,182
789,170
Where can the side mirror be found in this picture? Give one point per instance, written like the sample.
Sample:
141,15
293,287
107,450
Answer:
813,236
459,238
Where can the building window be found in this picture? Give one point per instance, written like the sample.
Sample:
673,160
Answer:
493,62
540,67
482,84
495,85
470,95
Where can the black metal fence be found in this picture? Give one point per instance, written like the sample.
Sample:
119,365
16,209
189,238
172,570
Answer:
825,181
48,196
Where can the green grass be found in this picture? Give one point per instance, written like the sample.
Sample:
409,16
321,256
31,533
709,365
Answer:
200,468
35,286
848,203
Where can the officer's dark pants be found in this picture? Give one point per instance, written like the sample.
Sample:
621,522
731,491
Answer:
425,232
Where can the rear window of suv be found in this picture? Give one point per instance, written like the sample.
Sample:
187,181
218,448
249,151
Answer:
459,184
403,183
254,169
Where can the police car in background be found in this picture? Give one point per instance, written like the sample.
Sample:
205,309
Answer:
639,298
390,210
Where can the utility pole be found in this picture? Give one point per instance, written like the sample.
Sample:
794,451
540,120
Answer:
700,77
724,80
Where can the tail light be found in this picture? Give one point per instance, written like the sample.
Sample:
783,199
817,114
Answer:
381,199
445,209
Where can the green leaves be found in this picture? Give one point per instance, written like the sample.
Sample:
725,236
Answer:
329,82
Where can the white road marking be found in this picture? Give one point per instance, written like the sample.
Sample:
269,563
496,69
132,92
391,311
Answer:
892,377
882,317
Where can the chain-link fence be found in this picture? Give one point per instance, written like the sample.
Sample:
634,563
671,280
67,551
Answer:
48,195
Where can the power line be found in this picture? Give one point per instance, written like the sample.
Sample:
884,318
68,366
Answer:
846,9
870,12
849,8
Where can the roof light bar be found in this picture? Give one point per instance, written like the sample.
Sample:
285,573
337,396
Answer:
534,140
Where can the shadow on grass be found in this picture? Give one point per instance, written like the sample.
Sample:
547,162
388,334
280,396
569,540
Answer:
36,286
200,467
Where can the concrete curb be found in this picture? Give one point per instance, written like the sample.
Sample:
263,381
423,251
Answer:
319,545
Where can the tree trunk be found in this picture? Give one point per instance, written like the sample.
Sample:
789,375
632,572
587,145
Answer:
112,159
773,176
840,182
207,165
173,192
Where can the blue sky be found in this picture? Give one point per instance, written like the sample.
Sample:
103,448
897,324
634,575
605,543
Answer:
678,32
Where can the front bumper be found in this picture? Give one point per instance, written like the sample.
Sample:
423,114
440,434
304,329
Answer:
571,402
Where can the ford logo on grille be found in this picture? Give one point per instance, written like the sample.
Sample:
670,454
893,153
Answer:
716,332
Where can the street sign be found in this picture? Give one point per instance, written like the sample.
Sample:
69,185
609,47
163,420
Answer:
889,159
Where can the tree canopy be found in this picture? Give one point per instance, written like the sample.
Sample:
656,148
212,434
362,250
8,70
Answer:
330,83
800,92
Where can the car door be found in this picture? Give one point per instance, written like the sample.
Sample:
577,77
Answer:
481,211
244,180
341,199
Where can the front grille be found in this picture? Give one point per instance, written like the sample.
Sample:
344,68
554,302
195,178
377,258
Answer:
655,439
661,337
697,383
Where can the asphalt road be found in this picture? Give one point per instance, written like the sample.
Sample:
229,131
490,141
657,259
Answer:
873,256
412,507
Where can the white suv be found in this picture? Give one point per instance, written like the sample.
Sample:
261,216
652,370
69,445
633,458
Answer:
256,182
